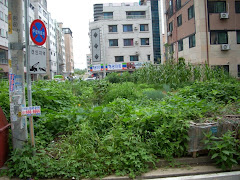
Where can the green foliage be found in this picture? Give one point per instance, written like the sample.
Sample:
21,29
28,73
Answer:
223,150
214,90
4,98
154,94
80,71
113,77
125,90
53,96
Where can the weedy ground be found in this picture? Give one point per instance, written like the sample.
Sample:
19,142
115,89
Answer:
120,124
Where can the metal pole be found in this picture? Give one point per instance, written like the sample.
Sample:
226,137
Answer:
16,74
29,86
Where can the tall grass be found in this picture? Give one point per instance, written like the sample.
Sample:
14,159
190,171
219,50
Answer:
177,74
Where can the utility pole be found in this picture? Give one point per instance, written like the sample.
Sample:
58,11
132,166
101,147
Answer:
16,74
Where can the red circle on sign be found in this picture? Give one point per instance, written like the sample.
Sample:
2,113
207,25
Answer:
36,26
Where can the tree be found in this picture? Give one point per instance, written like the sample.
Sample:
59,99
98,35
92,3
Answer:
80,71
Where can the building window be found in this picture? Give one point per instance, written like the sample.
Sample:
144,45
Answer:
192,41
219,37
148,57
237,6
171,49
107,15
180,45
191,12
127,28
135,14
144,27
170,7
238,70
119,59
178,4
112,28
170,26
2,33
144,41
128,42
221,67
113,42
238,37
40,9
1,15
134,58
217,6
179,20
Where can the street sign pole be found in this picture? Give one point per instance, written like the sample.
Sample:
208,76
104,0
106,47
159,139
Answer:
29,86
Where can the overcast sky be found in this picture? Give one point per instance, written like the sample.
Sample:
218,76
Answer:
76,15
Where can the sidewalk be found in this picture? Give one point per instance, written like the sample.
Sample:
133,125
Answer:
176,172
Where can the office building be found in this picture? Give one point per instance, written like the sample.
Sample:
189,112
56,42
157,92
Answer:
68,39
121,37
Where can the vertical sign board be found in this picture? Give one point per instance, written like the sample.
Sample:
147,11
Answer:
9,22
37,60
96,47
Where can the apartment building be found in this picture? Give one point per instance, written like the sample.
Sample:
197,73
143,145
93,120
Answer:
206,31
61,58
68,39
121,37
52,48
4,37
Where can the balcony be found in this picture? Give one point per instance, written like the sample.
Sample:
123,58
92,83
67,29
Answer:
136,16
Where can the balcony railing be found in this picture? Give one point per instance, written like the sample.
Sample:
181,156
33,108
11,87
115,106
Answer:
136,16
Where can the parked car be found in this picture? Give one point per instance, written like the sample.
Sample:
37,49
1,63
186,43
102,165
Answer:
90,79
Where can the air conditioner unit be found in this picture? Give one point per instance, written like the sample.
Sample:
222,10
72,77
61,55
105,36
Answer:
225,47
135,28
136,42
224,15
169,33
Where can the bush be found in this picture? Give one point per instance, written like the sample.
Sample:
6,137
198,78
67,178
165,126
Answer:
125,90
223,150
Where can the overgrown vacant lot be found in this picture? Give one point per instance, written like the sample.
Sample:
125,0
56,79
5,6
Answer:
120,124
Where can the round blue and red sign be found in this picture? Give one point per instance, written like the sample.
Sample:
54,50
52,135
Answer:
38,32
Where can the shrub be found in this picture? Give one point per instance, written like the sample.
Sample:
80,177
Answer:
223,150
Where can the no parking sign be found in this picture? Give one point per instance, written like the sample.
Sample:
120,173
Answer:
38,32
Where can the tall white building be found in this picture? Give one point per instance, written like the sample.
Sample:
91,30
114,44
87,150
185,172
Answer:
52,44
121,37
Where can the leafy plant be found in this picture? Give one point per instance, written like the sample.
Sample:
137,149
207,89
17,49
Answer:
223,150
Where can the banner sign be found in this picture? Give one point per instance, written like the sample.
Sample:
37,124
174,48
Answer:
114,66
98,67
11,82
31,111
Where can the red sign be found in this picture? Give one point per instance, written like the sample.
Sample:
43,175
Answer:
38,32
